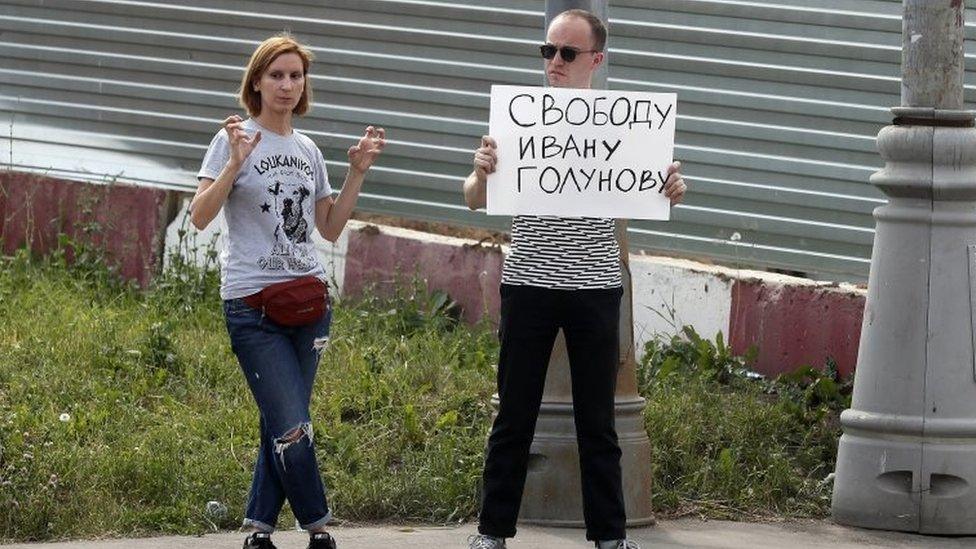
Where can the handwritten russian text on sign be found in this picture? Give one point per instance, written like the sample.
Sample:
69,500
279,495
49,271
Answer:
581,153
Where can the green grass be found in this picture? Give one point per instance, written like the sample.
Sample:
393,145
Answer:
123,412
161,422
728,444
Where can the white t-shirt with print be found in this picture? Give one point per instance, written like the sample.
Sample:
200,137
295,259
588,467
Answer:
270,212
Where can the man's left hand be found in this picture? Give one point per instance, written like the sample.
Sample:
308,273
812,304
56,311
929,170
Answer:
675,186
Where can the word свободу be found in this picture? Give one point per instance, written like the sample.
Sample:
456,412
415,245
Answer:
579,111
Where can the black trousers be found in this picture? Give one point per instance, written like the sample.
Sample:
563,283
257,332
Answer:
530,320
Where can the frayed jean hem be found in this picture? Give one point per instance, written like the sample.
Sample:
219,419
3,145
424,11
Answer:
258,525
319,523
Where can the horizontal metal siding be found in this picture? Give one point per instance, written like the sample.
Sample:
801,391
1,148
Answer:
167,73
779,102
779,106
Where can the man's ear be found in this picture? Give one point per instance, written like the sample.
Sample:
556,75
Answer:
598,59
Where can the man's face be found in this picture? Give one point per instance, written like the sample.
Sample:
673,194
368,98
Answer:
573,32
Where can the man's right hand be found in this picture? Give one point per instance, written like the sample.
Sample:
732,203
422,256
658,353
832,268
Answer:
485,158
240,144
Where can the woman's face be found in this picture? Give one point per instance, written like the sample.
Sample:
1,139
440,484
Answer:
282,84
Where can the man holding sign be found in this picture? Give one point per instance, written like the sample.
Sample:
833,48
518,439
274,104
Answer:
564,272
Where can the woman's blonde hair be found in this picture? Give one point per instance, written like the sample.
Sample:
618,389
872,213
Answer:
261,59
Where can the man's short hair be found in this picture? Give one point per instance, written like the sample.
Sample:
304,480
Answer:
597,28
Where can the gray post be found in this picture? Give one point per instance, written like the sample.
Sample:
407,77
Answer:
907,458
552,489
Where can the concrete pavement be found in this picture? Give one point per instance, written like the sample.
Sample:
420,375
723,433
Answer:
671,534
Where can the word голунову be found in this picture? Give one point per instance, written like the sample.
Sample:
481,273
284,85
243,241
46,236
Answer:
550,180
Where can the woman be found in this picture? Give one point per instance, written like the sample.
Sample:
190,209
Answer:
271,182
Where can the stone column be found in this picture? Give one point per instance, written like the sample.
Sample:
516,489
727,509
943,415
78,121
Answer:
907,458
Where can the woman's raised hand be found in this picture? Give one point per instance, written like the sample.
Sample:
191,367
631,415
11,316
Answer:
363,154
241,144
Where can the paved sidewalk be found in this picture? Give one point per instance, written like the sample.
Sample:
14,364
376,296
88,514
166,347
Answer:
672,534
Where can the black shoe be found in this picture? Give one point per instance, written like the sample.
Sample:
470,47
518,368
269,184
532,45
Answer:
321,540
259,540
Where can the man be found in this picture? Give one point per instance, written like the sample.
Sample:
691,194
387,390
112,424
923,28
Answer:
560,273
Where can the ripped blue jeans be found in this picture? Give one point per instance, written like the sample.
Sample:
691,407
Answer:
279,363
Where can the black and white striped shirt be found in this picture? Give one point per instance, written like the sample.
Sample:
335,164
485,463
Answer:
571,253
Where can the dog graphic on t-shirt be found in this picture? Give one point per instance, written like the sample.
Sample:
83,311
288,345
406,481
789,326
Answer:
293,222
292,219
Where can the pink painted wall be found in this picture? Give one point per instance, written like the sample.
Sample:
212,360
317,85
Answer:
795,325
470,275
792,322
127,222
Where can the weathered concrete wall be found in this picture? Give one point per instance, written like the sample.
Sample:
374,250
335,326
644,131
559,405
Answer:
671,293
128,223
792,321
470,273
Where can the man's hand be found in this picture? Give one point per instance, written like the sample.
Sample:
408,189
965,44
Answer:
485,158
476,185
363,154
675,186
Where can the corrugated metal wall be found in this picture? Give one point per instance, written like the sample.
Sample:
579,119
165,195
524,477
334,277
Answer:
779,102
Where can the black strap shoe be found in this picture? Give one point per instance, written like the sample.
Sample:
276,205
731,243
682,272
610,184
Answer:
321,540
259,540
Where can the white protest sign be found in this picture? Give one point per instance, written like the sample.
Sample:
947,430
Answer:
581,153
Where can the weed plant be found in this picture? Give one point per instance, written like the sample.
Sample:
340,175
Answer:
728,443
123,411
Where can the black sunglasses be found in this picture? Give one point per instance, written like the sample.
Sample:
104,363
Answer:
568,53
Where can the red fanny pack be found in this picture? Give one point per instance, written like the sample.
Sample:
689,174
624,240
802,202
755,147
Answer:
294,302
